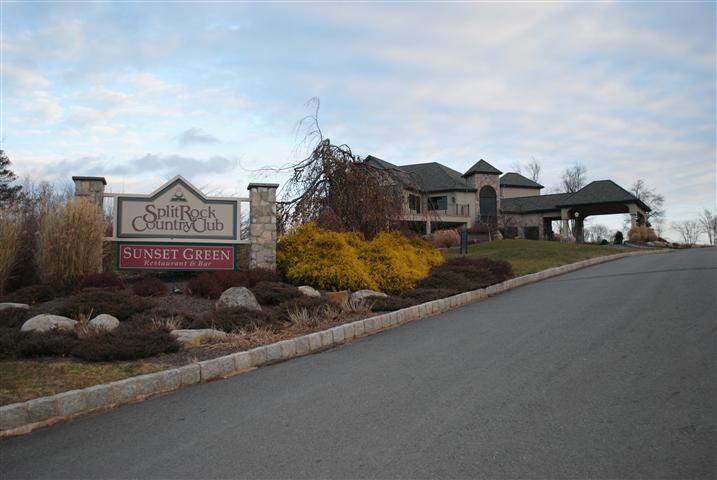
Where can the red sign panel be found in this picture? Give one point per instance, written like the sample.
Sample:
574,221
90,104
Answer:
176,257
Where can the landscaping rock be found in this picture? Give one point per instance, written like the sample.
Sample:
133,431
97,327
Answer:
25,306
339,298
104,322
366,294
46,323
196,336
238,297
309,291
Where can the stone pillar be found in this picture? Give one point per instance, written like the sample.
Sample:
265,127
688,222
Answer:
92,188
262,228
565,224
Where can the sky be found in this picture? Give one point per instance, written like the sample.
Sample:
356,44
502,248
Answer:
139,92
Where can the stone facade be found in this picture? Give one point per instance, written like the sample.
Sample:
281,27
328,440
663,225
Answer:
92,188
262,229
480,180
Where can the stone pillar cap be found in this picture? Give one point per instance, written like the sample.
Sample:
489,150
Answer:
262,185
90,179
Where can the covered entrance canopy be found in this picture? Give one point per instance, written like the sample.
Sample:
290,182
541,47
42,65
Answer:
602,197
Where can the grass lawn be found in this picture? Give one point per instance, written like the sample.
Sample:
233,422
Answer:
530,256
25,380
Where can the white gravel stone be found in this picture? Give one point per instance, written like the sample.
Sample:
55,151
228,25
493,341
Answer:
7,305
309,291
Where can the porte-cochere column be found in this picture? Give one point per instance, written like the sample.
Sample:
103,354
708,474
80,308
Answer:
262,228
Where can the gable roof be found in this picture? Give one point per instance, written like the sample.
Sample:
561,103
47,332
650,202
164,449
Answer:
513,179
482,167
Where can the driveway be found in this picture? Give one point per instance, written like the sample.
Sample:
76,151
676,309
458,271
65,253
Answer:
607,372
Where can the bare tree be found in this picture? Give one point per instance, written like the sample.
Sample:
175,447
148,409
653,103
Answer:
708,224
574,178
533,169
596,233
656,216
361,197
689,230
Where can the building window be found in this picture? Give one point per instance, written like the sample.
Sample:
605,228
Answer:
438,203
414,203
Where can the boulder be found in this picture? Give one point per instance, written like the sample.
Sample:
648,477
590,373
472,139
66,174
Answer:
238,297
309,291
366,294
7,305
192,337
47,323
104,322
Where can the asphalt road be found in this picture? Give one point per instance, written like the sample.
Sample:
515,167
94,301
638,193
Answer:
608,372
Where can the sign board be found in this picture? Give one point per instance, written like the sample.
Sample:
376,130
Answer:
177,211
175,257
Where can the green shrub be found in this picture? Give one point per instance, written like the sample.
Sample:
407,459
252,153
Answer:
150,287
13,317
119,304
274,293
423,295
124,344
343,261
32,294
389,304
232,319
101,280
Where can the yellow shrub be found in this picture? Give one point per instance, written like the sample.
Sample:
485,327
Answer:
397,263
343,261
69,243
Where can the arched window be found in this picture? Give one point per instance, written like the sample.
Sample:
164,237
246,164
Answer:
488,205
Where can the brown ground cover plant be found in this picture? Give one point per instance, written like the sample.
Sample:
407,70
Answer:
150,287
13,317
101,280
119,304
274,293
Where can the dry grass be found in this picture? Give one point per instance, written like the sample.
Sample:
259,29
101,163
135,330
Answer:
69,243
24,380
173,322
446,238
363,306
641,233
10,231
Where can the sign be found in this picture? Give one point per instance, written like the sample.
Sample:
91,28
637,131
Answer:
175,257
177,210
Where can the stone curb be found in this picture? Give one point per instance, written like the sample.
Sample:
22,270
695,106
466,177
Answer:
23,417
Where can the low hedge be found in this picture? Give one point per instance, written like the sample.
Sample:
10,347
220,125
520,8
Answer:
274,293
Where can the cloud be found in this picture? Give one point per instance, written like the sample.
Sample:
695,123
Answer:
194,136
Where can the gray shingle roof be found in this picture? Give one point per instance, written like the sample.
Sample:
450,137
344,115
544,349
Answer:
601,191
512,179
435,177
482,167
427,177
536,203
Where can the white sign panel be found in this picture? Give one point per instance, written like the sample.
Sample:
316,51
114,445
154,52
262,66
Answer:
177,210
